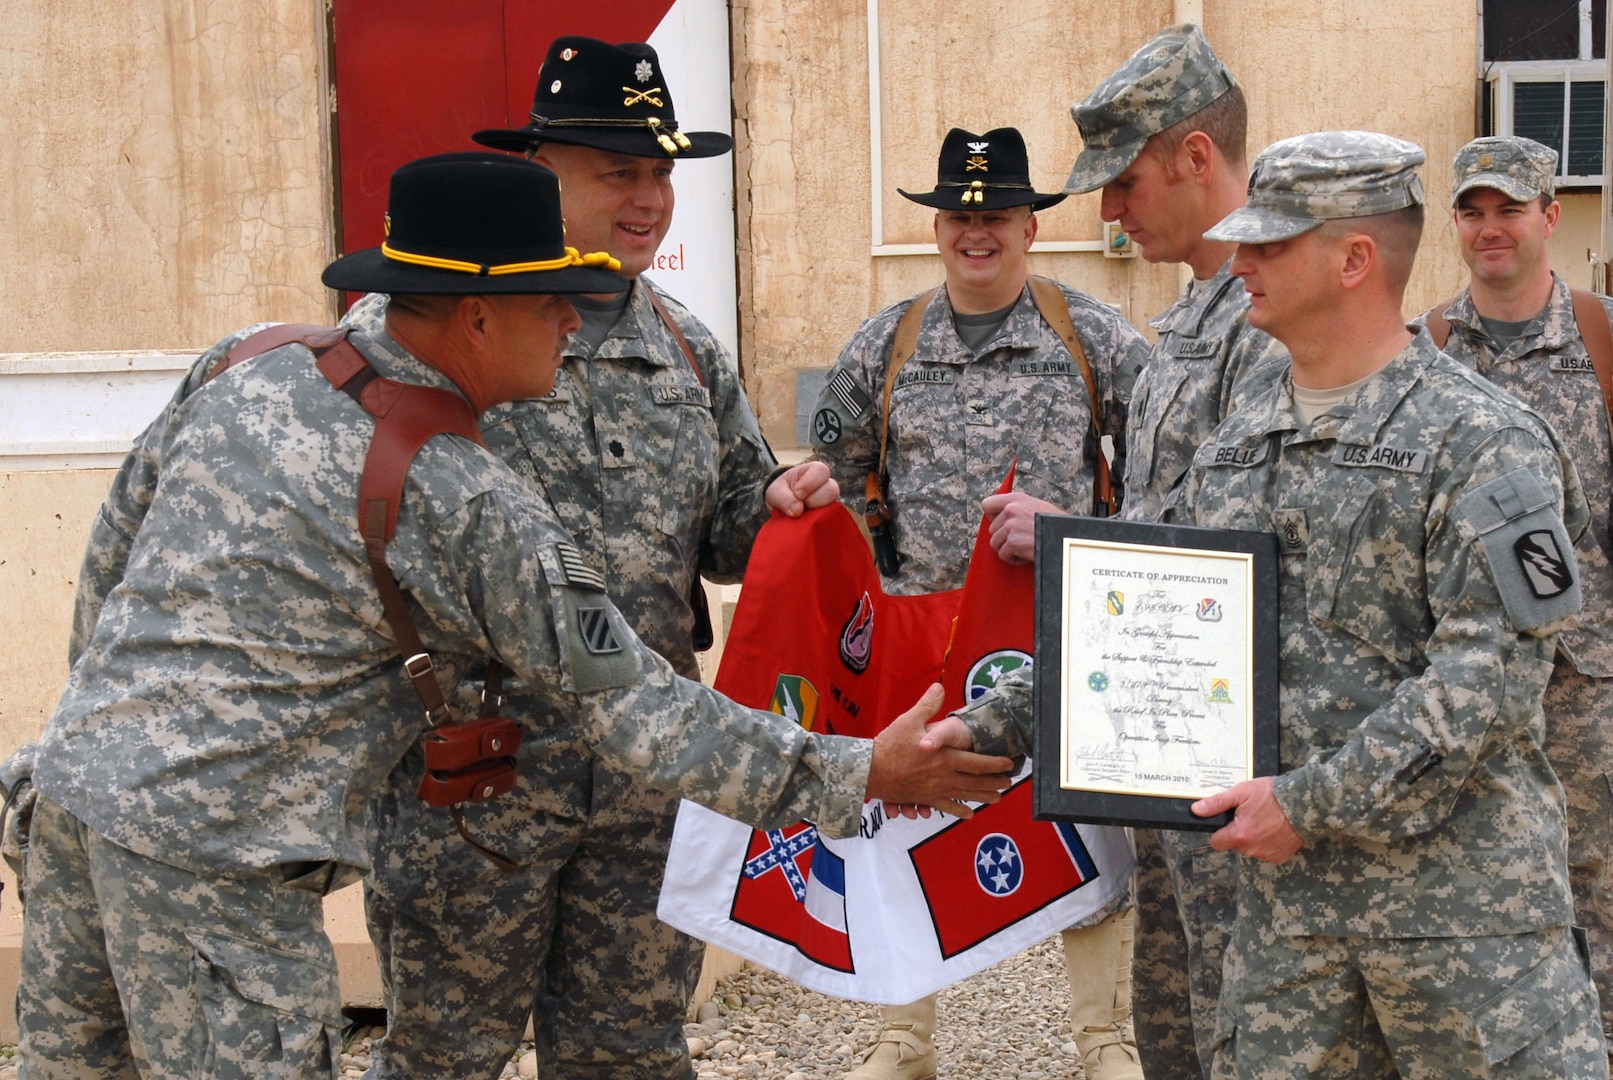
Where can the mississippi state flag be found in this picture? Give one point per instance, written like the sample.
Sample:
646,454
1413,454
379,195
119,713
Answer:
908,907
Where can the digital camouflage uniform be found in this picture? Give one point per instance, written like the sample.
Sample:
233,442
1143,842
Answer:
1433,876
656,478
1548,369
959,419
209,772
1186,891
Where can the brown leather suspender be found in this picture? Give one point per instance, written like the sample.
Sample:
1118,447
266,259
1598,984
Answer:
1055,311
1594,330
464,762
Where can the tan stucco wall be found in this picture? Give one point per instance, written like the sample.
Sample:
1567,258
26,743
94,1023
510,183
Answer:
162,179
802,95
46,518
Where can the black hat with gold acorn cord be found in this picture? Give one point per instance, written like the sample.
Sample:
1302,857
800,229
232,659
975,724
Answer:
984,172
473,224
609,97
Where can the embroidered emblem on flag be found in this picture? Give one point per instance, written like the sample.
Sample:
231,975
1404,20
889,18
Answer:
796,700
597,635
990,669
1020,865
794,889
857,636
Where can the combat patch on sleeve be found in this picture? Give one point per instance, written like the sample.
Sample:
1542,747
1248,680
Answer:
844,387
826,427
593,639
1526,546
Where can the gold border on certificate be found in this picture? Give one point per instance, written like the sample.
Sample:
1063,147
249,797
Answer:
1157,687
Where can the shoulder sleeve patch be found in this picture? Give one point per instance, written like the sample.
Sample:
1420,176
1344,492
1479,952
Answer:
1526,547
844,387
566,565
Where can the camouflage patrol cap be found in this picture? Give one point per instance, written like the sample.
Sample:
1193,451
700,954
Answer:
1519,168
1173,76
1297,184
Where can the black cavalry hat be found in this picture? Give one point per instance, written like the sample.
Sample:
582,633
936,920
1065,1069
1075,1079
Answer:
984,172
472,224
610,97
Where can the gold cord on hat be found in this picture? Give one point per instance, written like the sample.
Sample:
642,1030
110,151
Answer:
662,137
974,194
635,97
570,258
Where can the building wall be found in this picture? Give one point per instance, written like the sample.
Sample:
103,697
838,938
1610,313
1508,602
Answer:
163,180
802,106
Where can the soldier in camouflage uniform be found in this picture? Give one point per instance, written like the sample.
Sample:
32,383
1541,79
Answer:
208,773
1403,903
989,382
1164,138
656,466
1515,326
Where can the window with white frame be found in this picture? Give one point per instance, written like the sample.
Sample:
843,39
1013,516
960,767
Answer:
1545,68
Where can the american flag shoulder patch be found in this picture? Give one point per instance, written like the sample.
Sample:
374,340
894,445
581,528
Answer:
844,387
577,570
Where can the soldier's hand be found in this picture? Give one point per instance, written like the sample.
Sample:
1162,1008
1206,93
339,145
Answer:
805,487
1259,827
908,768
1013,524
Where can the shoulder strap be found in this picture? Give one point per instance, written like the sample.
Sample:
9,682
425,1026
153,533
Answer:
677,332
1439,327
1055,311
903,346
1592,319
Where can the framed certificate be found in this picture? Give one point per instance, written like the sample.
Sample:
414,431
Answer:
1156,668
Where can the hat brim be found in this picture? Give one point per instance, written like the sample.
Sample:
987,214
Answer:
1249,225
1510,186
634,142
371,271
993,199
1094,168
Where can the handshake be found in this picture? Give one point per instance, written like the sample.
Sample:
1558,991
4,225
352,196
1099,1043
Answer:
916,767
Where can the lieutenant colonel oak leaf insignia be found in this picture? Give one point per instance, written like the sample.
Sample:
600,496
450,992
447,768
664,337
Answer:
1543,565
644,72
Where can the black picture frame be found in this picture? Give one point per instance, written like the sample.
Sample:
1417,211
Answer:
1121,807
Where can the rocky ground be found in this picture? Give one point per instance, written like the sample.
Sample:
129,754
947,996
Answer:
1009,1023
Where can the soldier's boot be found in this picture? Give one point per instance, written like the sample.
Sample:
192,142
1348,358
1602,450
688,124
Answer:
1098,959
906,1046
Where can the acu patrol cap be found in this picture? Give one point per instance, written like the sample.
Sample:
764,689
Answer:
1299,183
1167,80
1519,168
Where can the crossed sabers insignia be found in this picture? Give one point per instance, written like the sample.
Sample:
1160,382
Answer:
780,855
974,163
636,97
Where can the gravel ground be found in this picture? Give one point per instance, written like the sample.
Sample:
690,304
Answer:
1008,1023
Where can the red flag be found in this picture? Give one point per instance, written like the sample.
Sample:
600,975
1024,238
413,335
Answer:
829,648
983,875
996,626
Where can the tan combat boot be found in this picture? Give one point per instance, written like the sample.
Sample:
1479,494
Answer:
906,1047
1098,960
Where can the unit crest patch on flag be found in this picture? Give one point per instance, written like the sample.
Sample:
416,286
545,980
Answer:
988,671
795,699
857,637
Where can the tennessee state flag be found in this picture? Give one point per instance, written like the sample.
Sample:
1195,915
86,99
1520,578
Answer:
910,906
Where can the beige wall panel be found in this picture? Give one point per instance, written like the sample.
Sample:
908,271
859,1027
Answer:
1579,231
1405,69
48,517
162,181
1382,65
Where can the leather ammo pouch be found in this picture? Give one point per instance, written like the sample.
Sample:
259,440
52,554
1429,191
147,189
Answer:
464,762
